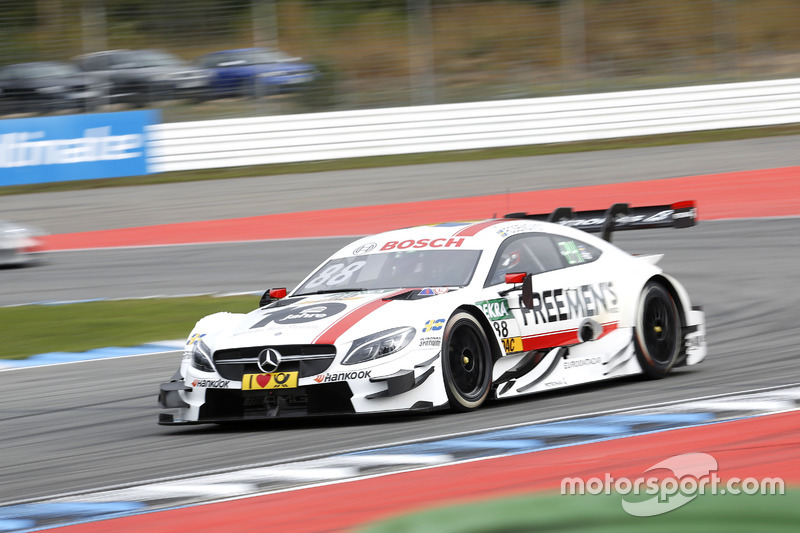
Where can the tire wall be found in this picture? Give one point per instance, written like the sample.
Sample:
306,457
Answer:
494,342
678,293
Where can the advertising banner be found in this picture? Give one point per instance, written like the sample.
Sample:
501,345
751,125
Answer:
74,147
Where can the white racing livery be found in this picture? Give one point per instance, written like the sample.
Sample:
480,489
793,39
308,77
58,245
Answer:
447,315
19,244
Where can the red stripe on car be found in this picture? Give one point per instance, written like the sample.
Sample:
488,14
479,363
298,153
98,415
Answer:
559,338
335,330
473,229
608,328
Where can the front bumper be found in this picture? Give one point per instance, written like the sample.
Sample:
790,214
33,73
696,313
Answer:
220,398
230,405
695,348
233,405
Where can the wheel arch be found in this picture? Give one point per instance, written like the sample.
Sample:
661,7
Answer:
497,351
677,291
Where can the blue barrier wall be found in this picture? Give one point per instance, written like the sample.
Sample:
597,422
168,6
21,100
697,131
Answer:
74,147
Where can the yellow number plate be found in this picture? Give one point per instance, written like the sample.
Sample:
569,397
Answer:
276,380
512,344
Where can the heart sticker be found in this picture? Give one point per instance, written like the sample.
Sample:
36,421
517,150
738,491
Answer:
263,379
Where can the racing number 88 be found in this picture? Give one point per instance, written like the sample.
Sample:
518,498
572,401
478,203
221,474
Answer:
501,328
332,275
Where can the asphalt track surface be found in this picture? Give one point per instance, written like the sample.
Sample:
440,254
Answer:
67,212
89,425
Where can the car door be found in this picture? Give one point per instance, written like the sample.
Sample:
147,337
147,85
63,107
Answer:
567,291
98,65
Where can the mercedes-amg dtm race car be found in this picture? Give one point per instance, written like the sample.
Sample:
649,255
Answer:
19,244
447,315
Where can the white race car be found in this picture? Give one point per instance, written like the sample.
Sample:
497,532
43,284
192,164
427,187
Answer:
447,315
19,244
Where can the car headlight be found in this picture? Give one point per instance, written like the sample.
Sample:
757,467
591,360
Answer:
378,345
201,357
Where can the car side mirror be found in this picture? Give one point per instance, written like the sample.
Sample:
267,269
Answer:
272,295
513,278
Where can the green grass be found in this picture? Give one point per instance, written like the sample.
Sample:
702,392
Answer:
602,514
34,329
412,159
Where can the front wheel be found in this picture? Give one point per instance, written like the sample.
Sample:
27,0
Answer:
658,331
466,362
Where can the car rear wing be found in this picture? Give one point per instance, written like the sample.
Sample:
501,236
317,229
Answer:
620,217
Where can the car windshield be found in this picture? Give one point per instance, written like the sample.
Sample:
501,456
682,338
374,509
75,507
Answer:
143,59
42,70
248,57
394,270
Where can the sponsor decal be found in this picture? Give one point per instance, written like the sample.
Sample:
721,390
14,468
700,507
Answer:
586,254
495,309
433,325
309,314
560,383
343,296
211,383
449,224
342,376
365,248
430,342
571,252
95,145
567,304
695,342
625,220
512,344
691,213
423,243
582,362
660,216
516,229
433,291
277,380
194,339
302,314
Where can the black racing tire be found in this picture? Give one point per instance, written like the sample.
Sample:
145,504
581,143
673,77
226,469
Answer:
657,335
466,362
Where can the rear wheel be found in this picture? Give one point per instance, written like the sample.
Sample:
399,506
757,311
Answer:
466,362
658,331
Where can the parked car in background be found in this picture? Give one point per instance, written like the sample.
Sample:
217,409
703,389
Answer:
141,77
255,72
44,86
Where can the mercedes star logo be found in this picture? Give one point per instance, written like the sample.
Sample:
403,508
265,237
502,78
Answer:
269,359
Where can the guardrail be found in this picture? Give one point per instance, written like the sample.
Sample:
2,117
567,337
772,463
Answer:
318,136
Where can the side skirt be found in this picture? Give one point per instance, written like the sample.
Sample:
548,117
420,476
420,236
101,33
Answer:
611,357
